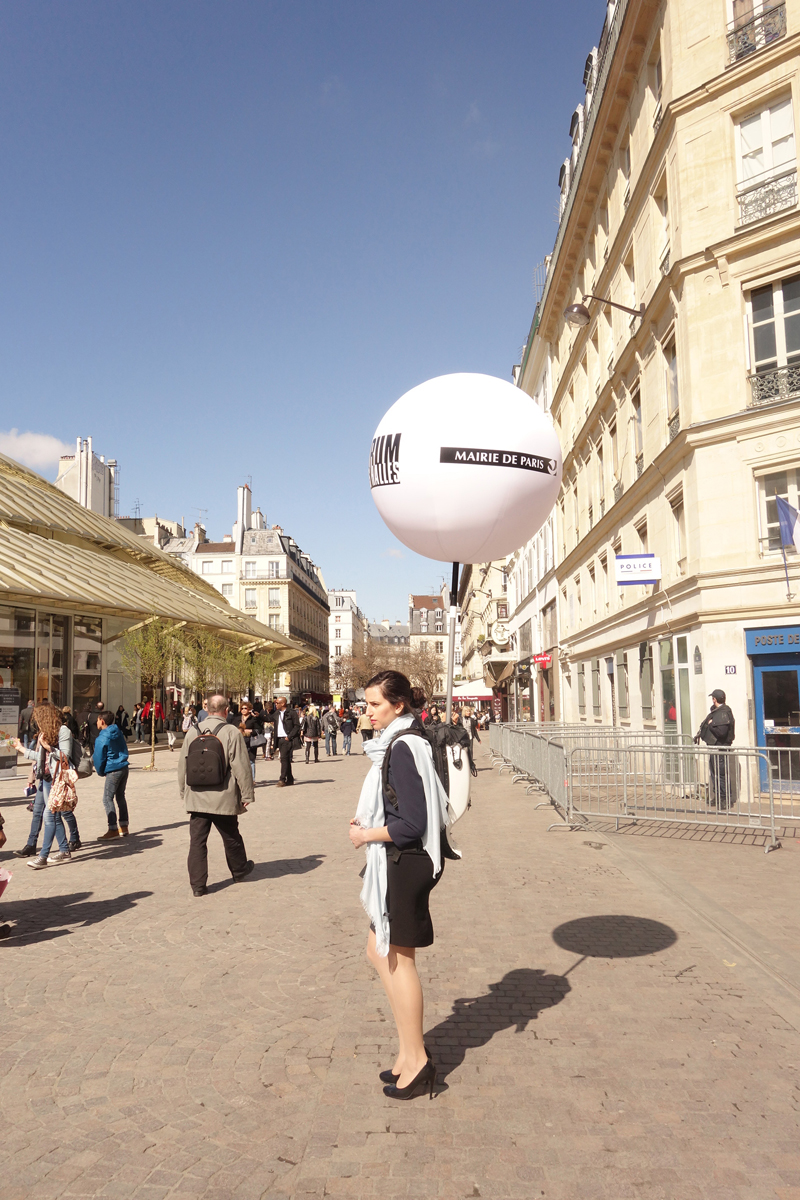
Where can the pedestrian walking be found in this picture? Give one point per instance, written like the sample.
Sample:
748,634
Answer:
247,725
470,723
220,802
330,726
311,730
111,763
53,740
24,730
365,729
286,728
719,729
269,730
91,723
400,826
136,721
70,722
348,728
122,722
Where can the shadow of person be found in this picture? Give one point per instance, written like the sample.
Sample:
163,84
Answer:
37,917
275,870
515,1000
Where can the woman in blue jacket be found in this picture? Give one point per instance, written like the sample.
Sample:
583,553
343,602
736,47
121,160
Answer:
111,764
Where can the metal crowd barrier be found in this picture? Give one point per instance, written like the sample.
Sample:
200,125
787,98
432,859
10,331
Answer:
634,775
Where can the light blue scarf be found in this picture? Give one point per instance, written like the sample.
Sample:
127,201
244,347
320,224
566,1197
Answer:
370,813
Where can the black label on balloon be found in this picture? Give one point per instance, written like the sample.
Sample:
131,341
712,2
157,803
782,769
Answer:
384,460
475,457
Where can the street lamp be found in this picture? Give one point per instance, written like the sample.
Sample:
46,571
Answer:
579,315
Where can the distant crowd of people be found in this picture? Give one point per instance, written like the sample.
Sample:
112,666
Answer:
59,748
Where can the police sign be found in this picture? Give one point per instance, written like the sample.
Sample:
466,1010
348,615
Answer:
637,568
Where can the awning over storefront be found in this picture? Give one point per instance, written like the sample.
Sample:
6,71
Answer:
472,690
53,552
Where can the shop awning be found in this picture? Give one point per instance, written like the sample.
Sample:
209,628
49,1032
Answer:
54,553
472,690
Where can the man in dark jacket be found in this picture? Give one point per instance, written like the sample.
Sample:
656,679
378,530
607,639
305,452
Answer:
25,721
111,763
287,736
91,721
719,729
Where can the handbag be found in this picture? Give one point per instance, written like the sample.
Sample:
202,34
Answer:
257,739
63,796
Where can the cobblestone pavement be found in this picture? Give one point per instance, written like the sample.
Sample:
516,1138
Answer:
227,1048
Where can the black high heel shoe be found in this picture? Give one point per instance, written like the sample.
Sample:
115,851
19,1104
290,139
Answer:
421,1083
390,1077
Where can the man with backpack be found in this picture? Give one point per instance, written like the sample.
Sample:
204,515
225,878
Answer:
216,785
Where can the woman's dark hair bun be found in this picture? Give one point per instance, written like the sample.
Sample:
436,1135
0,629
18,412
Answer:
394,687
417,698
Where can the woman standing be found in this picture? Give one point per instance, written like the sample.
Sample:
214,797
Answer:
137,722
401,830
248,725
54,740
366,731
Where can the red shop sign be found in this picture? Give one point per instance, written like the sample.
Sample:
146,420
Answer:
543,660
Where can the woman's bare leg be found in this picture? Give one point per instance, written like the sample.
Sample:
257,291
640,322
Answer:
407,1006
381,965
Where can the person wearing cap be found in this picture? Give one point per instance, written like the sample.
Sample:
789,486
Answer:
719,729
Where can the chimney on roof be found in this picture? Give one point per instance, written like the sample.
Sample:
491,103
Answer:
386,623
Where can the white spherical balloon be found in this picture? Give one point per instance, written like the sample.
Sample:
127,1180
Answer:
465,468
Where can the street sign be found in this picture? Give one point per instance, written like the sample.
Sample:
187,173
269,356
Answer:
637,568
542,660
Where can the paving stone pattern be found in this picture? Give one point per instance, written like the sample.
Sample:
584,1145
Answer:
156,1045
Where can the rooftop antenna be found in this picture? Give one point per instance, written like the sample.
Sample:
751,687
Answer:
137,509
249,481
200,512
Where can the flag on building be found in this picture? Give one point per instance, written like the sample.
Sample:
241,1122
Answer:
789,519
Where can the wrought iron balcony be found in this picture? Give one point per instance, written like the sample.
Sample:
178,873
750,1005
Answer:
639,464
664,265
618,490
756,33
763,197
771,387
674,425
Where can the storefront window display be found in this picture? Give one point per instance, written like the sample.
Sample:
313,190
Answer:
87,658
17,631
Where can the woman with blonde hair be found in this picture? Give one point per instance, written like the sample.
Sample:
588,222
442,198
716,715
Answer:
53,742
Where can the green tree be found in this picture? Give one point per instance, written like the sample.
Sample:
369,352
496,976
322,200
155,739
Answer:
148,652
265,664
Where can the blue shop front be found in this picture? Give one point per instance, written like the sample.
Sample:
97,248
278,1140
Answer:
774,654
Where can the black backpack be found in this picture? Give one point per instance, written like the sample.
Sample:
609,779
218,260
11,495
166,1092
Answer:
206,764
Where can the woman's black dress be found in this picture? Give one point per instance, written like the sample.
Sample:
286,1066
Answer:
409,868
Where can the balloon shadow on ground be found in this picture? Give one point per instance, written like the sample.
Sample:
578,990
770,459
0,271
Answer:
613,935
515,1000
43,917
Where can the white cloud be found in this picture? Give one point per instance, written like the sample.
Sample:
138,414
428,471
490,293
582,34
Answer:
36,450
393,553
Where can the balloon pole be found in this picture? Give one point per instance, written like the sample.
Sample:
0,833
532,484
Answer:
451,646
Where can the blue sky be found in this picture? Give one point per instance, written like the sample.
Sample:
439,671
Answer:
235,233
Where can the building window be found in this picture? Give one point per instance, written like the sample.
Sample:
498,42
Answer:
582,689
273,569
274,621
646,679
593,589
438,647
623,705
525,645
671,368
439,627
766,162
596,708
775,324
274,597
337,619
227,566
337,651
679,531
638,433
208,566
755,24
227,590
641,533
783,484
250,570
250,597
502,612
338,633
